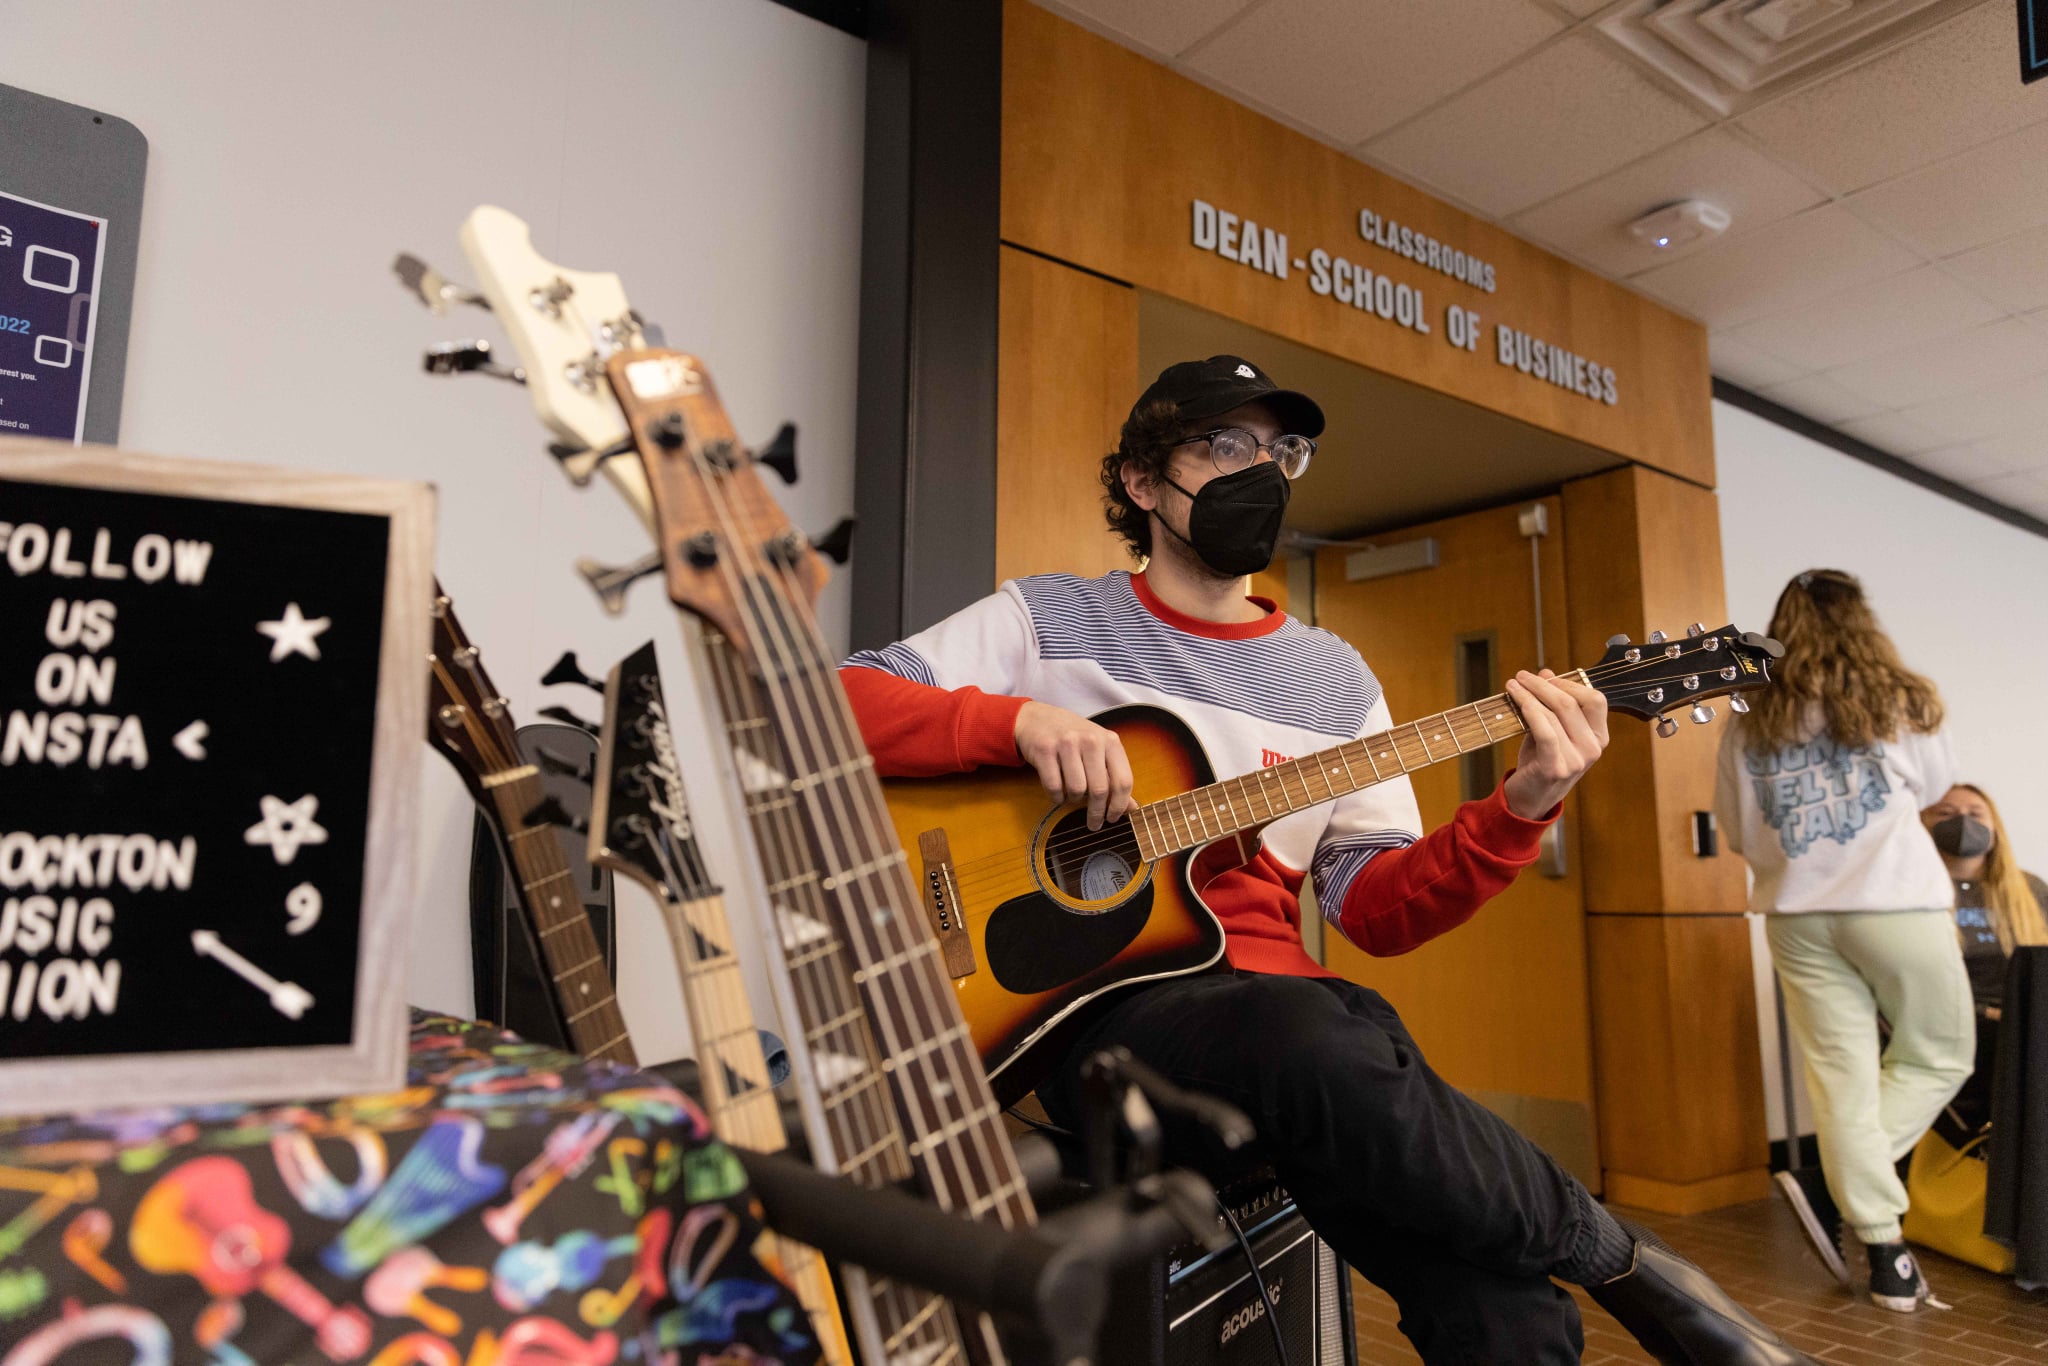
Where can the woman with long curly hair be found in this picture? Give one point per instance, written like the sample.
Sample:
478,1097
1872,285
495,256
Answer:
1998,908
1820,789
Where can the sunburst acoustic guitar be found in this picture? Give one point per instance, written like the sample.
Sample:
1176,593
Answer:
1040,916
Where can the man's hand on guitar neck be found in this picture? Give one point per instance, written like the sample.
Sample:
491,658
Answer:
1567,724
1076,758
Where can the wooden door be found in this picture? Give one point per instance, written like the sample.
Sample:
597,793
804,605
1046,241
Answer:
1499,1005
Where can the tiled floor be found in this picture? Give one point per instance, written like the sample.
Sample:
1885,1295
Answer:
1757,1254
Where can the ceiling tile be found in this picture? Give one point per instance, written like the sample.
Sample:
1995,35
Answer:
1799,259
1591,222
2011,409
1352,68
1740,363
1555,119
1930,370
1979,196
1896,433
1964,463
2025,451
1163,27
1875,317
1940,93
2014,271
1821,399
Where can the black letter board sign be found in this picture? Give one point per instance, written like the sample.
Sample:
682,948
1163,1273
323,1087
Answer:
211,694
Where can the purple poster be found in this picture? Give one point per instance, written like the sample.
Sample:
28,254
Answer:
49,274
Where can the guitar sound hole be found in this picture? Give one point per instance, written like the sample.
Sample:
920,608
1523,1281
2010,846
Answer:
1091,865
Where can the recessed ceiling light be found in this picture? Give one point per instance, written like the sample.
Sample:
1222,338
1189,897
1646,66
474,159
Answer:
1675,225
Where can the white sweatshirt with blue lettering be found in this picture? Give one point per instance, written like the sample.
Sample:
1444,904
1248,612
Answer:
1830,828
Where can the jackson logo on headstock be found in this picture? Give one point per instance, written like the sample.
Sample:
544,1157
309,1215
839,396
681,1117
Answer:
663,779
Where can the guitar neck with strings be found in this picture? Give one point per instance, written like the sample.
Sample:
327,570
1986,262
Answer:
640,826
850,1118
469,721
731,558
1642,680
835,1057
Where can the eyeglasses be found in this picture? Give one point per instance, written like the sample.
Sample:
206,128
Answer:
1233,449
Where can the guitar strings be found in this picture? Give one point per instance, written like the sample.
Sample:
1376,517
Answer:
874,1135
814,730
1079,844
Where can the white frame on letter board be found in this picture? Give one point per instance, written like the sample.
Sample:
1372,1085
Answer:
375,1059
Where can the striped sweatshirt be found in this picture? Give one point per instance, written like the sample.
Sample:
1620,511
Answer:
1254,693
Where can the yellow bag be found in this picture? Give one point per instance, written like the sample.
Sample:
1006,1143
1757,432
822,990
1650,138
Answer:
1946,1187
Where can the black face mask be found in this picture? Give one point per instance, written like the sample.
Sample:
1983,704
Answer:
1234,522
1961,837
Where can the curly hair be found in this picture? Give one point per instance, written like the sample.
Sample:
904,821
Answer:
1837,655
1147,441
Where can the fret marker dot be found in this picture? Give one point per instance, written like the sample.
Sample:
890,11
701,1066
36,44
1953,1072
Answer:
943,1089
554,901
586,988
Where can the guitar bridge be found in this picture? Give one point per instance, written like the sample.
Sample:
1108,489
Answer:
941,894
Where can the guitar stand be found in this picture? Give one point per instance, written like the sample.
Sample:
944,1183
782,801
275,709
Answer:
1047,1285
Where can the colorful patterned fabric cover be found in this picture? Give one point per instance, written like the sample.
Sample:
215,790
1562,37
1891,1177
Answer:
513,1206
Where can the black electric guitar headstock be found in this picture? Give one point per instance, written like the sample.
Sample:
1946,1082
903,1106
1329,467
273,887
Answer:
640,820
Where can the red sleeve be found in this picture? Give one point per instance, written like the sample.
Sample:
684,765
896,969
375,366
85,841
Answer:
1403,898
917,731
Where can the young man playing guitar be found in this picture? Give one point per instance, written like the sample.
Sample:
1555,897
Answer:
1428,1194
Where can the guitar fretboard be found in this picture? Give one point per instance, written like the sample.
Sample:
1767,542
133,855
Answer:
856,1133
569,948
1194,818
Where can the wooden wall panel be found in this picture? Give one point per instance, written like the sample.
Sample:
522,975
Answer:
1676,1054
1067,375
1104,152
1645,552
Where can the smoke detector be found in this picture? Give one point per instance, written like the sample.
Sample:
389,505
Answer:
1676,225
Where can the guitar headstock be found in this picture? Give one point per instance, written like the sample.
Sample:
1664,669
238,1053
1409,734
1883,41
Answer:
564,324
1652,679
729,554
640,820
468,719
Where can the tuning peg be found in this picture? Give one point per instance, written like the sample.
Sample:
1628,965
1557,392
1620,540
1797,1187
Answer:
1657,638
1701,713
549,811
463,357
435,291
1738,704
780,454
1614,642
567,670
610,582
557,763
837,544
1695,631
1666,727
568,718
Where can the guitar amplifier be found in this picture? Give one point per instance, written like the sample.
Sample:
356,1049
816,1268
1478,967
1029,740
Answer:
512,987
1199,1308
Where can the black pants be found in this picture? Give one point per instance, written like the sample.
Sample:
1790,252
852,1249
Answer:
1428,1194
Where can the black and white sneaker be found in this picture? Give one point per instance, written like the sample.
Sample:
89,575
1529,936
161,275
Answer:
1895,1280
1807,1193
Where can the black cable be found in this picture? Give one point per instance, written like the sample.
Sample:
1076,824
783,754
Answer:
1265,1295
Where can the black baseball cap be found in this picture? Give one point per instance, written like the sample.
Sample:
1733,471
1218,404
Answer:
1203,389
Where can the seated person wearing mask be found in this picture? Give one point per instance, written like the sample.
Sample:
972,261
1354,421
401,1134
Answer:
1999,907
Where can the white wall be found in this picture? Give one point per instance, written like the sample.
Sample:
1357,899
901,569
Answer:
1960,593
707,150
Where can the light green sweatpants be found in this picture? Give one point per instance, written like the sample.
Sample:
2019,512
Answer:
1840,969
